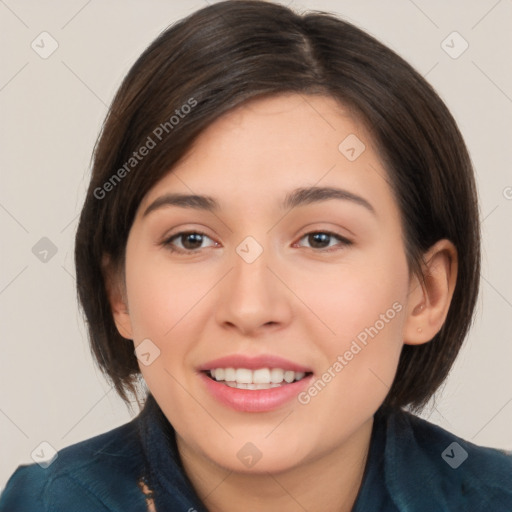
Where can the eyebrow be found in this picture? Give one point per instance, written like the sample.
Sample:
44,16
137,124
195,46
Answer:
298,197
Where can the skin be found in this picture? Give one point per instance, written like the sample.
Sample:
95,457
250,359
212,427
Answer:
296,300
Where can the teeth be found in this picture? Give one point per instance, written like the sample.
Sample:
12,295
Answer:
243,376
251,386
262,378
289,376
276,375
229,374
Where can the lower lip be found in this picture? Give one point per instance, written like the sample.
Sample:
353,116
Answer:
255,400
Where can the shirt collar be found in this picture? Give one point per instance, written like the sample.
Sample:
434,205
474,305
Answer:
172,490
373,493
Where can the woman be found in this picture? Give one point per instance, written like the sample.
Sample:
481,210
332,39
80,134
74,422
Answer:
281,237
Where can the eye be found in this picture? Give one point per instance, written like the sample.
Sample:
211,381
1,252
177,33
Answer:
190,241
321,240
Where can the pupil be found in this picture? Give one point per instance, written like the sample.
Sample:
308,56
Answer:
194,238
319,238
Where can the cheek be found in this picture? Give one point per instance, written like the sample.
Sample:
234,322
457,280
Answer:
361,308
161,301
167,306
355,299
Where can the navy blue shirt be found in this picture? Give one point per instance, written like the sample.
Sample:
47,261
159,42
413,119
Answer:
412,466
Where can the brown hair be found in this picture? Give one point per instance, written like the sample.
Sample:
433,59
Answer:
229,52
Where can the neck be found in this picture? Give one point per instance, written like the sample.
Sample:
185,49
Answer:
330,481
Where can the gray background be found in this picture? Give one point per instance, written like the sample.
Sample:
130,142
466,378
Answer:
51,112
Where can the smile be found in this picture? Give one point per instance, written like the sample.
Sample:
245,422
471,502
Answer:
261,378
258,383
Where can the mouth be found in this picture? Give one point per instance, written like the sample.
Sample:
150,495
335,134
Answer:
260,378
254,384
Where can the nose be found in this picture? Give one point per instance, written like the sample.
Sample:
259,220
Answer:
252,299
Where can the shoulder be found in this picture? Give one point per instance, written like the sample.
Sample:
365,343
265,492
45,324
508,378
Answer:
449,472
98,474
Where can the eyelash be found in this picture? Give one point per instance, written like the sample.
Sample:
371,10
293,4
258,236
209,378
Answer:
169,245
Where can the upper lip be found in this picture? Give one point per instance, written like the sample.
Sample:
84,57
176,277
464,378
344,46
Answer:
253,363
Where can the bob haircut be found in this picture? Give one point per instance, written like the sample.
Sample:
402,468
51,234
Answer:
227,53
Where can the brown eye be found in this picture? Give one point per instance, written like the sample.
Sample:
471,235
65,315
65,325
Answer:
322,240
187,241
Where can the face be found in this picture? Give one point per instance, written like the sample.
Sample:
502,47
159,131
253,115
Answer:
294,268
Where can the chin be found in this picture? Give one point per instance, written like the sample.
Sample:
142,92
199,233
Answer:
258,456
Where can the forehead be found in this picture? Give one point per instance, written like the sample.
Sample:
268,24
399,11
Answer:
279,128
267,146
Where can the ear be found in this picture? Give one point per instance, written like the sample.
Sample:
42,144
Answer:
116,291
430,297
